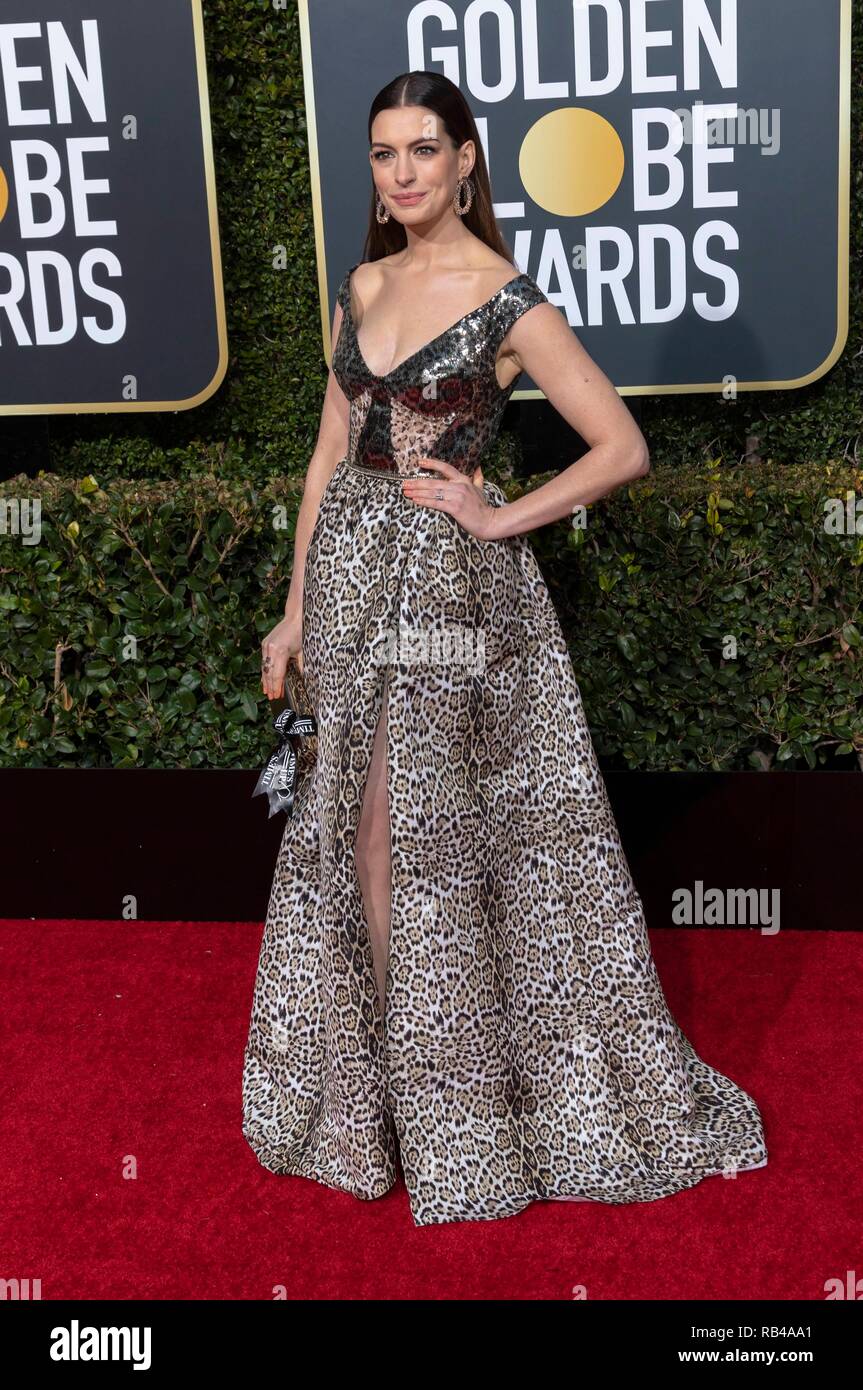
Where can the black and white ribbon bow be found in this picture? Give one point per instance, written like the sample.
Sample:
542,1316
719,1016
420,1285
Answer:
278,779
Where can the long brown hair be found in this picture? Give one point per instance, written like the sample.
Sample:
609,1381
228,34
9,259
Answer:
433,90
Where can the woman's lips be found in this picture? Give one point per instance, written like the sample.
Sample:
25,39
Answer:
408,200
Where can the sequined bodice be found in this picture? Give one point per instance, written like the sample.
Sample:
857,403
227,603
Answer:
444,401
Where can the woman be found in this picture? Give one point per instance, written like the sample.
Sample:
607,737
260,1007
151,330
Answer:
455,966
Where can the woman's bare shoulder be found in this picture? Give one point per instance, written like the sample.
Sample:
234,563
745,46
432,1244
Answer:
370,278
497,264
371,271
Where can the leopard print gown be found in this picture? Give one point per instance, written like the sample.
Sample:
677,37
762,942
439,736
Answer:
527,1051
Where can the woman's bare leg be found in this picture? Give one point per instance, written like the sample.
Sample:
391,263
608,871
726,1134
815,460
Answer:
372,854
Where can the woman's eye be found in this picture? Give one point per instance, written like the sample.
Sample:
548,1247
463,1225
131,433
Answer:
385,154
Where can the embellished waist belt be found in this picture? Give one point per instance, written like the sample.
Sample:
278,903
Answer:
392,473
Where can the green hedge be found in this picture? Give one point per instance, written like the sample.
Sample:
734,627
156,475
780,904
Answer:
196,572
263,421
179,550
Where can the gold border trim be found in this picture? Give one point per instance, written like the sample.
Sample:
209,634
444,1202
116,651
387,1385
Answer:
137,407
315,172
705,388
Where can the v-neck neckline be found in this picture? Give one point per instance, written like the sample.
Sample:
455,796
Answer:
431,342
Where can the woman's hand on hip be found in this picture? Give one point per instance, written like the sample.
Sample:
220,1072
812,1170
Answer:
462,497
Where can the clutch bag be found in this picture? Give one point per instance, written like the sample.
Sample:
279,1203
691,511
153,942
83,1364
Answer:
297,749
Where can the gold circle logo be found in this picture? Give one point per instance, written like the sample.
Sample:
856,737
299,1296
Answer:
571,162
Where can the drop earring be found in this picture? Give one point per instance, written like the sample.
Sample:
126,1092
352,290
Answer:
379,208
458,209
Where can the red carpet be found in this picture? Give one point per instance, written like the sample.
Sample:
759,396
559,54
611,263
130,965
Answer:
123,1056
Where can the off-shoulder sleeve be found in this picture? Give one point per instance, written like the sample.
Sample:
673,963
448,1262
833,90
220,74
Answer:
343,295
523,294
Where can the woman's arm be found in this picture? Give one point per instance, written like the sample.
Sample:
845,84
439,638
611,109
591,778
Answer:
285,640
543,344
331,446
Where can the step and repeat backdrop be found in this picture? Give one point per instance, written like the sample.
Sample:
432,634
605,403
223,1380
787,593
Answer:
673,173
111,292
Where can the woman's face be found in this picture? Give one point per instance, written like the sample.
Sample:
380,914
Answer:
415,168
